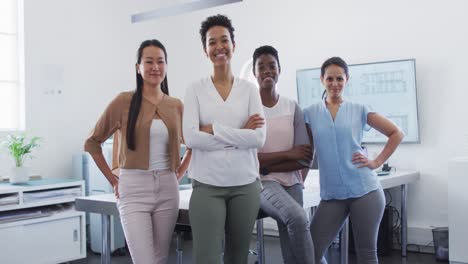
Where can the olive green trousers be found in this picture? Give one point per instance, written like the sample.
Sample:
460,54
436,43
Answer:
223,213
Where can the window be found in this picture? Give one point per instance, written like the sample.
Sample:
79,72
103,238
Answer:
11,65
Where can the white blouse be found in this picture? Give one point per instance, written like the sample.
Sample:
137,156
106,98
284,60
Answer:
229,157
159,146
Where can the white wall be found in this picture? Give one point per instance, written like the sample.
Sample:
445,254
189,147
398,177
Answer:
87,48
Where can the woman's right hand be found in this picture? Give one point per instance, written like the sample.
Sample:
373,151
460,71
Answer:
106,170
300,152
116,191
255,121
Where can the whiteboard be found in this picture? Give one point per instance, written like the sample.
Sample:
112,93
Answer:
389,88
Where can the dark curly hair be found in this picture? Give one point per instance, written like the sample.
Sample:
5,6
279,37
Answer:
212,21
265,50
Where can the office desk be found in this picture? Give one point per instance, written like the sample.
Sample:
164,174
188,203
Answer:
105,204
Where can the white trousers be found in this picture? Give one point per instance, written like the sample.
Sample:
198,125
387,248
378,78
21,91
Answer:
149,207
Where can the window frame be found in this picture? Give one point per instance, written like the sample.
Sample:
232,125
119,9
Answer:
20,98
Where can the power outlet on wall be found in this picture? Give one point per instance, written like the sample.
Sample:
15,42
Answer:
52,79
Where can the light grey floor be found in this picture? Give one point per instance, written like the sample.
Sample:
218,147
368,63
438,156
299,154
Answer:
273,255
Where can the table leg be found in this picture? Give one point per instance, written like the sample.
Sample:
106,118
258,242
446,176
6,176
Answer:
344,237
260,242
404,220
311,213
179,239
105,232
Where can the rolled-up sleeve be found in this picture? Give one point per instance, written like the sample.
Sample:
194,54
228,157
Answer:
300,130
301,136
194,138
366,110
108,123
244,138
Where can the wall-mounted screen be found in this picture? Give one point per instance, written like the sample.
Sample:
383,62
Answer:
389,88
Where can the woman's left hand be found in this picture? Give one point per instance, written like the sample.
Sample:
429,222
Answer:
360,158
178,175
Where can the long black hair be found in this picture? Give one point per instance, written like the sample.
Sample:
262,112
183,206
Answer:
138,95
333,61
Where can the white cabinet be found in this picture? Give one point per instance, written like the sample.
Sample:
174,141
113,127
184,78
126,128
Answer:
458,210
41,226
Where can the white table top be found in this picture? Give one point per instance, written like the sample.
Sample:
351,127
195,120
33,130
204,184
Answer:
105,203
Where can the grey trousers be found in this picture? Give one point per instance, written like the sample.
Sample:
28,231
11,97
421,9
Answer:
365,213
284,204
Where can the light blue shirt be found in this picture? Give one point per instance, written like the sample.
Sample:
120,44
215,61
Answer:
335,143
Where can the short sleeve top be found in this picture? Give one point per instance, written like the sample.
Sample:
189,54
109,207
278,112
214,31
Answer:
335,143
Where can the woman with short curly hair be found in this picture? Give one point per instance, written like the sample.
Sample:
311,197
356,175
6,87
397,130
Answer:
223,124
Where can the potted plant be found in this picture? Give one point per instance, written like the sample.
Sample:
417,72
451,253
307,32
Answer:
20,147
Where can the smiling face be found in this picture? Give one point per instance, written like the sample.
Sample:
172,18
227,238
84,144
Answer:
152,66
219,46
266,71
334,81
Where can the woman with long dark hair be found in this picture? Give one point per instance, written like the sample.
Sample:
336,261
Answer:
147,128
223,124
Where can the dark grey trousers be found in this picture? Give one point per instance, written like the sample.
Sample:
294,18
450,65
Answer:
365,213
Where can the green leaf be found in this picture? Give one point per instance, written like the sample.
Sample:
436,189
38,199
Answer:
19,146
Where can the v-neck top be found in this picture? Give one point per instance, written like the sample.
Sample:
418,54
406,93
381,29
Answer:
335,142
114,122
229,156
